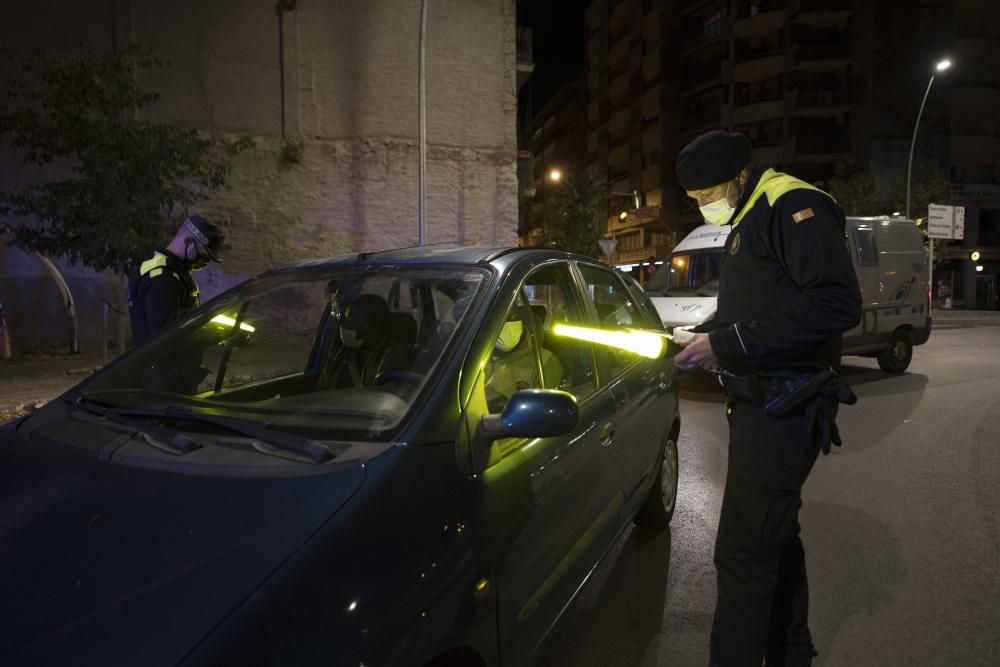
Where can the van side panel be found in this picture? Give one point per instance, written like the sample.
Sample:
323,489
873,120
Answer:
891,266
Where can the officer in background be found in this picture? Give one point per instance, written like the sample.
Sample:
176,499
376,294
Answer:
163,289
787,291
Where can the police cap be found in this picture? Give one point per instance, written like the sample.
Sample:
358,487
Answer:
712,159
211,237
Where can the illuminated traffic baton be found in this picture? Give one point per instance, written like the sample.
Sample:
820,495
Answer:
227,321
646,343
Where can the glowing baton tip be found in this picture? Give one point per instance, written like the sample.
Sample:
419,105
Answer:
644,343
227,321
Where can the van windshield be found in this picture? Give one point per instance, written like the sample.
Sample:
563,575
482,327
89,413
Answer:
689,274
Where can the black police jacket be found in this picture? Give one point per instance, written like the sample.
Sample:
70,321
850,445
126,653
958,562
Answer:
159,292
787,289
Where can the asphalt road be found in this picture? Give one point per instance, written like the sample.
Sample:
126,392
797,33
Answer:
901,528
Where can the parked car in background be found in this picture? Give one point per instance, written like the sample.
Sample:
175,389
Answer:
380,459
888,258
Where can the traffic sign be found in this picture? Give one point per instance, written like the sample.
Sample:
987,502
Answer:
945,222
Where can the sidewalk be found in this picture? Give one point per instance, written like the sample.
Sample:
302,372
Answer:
953,317
28,381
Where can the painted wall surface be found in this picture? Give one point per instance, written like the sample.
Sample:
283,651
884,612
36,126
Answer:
336,80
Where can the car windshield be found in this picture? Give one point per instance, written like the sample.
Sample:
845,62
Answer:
690,274
330,353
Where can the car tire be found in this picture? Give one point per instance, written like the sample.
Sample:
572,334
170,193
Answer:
895,358
658,508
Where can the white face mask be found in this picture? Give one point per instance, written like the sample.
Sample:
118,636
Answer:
719,211
510,336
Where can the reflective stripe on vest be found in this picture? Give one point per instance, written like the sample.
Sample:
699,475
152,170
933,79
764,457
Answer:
153,267
157,265
773,184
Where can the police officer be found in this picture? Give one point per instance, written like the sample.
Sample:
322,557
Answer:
787,292
163,289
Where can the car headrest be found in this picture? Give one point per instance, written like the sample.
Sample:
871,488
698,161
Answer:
368,311
403,329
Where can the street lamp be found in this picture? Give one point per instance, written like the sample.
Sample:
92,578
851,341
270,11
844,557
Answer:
940,67
555,175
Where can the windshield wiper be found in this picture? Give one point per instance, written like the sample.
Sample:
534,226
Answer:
263,439
159,438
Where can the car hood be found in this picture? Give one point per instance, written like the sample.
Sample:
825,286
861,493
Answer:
110,564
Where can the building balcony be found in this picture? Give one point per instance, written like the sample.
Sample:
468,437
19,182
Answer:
774,151
758,110
758,64
823,57
698,75
820,12
642,254
820,102
820,148
695,41
759,20
698,119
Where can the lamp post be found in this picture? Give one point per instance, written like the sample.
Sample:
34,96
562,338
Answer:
940,67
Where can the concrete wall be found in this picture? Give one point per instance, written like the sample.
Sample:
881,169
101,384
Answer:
349,107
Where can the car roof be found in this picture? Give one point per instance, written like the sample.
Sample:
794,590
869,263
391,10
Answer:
435,255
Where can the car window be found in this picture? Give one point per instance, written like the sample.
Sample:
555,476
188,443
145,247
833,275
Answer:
615,308
527,354
646,308
279,344
330,352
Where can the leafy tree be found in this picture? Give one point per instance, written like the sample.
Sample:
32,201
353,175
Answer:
928,185
856,191
128,181
572,216
853,188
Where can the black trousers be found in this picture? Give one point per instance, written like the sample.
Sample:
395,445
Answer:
762,607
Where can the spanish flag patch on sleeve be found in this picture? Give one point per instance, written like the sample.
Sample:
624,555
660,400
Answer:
804,214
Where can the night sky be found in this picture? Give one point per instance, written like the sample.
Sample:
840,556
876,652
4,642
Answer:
558,36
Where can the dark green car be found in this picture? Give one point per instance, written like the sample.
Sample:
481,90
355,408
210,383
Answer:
383,459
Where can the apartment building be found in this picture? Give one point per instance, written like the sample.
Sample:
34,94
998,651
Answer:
809,81
553,139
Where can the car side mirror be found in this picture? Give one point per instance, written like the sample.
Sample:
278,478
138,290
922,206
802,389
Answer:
533,413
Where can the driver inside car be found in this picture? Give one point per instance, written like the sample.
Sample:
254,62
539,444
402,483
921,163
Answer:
513,368
367,351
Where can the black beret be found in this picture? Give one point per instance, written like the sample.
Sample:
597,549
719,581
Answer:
712,159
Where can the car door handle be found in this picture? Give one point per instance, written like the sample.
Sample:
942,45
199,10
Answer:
662,381
607,434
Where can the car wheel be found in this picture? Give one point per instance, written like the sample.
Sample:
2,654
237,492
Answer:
658,508
895,358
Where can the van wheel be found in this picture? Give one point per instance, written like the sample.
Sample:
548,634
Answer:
658,508
896,357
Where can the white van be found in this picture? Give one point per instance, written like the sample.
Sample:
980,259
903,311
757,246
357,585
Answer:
888,258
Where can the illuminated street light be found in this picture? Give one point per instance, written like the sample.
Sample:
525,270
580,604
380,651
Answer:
555,175
940,67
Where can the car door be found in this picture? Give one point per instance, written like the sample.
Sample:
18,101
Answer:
640,386
553,503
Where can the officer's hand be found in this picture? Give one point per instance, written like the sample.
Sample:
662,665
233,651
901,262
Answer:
697,353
